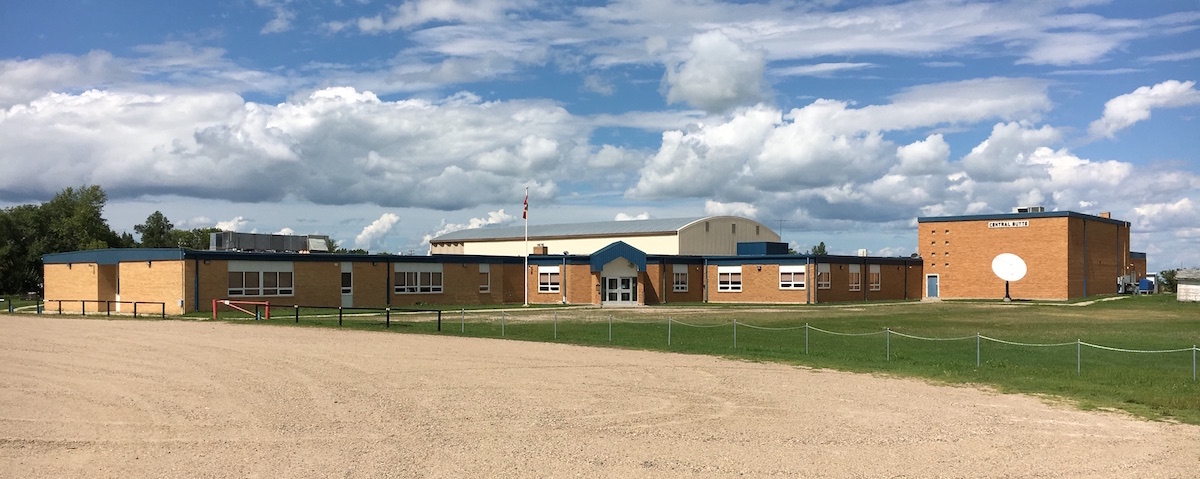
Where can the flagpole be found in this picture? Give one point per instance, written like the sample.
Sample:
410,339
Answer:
525,214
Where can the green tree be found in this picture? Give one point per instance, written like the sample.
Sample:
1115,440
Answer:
818,250
196,238
1166,281
156,231
71,221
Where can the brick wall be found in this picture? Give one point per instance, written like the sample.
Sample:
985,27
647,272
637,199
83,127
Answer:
69,281
155,281
961,253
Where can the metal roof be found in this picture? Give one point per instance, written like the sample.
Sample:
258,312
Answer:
599,228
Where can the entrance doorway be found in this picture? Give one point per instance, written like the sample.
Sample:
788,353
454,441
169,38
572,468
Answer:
619,290
931,286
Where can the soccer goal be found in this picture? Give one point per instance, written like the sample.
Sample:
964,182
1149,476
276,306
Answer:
256,309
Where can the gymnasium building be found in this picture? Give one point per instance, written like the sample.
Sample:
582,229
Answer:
1067,254
725,259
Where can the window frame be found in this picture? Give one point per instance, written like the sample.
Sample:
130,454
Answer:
854,271
824,276
729,279
791,273
255,279
552,276
419,278
875,277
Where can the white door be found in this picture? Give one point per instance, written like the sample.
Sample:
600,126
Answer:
347,285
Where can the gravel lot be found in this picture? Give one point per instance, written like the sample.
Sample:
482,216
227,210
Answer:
96,398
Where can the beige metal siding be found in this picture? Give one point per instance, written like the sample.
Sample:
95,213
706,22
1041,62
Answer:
720,237
659,244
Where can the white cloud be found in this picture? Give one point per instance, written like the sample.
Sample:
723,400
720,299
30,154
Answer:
1123,111
337,146
1174,57
820,69
286,231
1002,156
718,74
730,209
371,235
597,84
1165,217
238,223
282,20
498,217
624,217
1073,48
924,157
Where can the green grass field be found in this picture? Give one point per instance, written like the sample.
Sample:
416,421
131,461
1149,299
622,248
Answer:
1151,385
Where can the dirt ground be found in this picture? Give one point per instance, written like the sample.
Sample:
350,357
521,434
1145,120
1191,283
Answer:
95,398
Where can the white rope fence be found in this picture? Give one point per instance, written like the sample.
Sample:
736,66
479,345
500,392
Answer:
979,338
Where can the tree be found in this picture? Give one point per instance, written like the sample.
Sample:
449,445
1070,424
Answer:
197,238
1166,281
818,250
70,221
156,231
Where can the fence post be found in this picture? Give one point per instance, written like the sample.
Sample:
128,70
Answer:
888,342
60,307
1193,363
977,350
556,325
164,310
135,309
668,330
83,307
296,308
1078,356
40,306
387,318
610,332
806,338
107,308
339,315
502,324
10,307
462,320
439,320
735,333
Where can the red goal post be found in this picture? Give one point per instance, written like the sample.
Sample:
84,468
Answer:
238,305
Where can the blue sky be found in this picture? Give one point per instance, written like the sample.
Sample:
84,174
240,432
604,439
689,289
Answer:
384,123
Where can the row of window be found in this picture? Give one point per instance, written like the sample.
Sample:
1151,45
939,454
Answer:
250,278
425,279
729,278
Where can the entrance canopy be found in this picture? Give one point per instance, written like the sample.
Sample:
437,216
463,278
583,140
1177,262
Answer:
619,249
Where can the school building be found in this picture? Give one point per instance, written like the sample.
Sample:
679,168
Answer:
1067,254
615,274
717,259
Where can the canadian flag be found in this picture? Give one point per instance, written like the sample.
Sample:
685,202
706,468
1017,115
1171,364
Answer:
525,212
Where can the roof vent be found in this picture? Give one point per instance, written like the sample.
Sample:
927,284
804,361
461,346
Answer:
1029,209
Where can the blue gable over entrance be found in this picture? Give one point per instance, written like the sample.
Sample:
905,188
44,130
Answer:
620,249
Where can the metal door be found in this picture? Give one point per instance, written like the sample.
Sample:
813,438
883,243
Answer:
931,286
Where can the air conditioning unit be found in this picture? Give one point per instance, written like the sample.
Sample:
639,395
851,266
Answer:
1029,209
862,252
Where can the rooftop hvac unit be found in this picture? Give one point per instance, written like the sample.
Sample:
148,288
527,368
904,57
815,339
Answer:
862,252
1029,209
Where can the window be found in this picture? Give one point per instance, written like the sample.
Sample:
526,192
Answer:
734,229
485,278
548,279
874,277
756,230
680,281
791,277
260,278
347,283
823,277
855,278
417,278
729,278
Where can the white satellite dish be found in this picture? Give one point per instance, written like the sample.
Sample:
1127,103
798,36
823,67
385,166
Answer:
1009,267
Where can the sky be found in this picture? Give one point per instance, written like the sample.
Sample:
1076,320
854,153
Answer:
386,123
